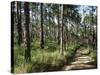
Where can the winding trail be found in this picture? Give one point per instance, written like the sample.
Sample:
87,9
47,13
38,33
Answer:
82,60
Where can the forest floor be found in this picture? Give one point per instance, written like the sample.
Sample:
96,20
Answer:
81,60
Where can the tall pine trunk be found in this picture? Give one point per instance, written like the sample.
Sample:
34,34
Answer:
62,52
12,35
93,33
96,30
42,33
19,26
27,34
58,28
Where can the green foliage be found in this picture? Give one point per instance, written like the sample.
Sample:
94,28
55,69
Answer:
18,55
89,19
93,55
46,59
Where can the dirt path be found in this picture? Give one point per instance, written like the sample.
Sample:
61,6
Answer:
81,61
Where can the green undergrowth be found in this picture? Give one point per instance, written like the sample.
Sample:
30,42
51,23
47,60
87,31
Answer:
93,55
42,60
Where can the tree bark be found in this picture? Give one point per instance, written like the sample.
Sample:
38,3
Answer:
12,36
27,34
62,30
42,33
93,33
58,28
19,26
